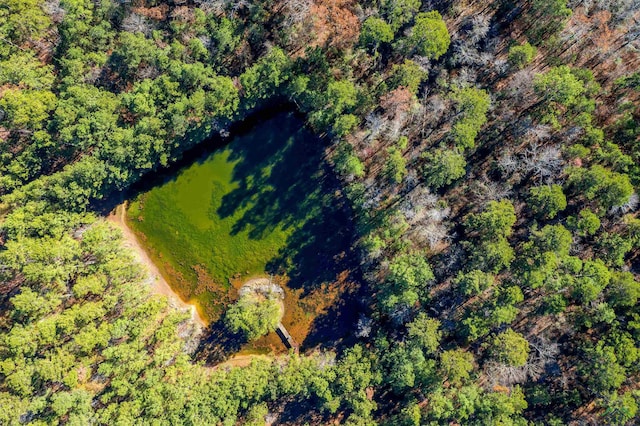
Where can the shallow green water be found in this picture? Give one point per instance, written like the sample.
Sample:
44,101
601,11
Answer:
260,205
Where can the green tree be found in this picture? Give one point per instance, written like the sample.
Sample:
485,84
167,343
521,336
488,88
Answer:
407,74
425,332
355,372
395,167
85,117
410,272
623,290
406,283
547,201
601,369
587,222
347,162
607,188
429,36
25,70
595,276
546,18
624,346
474,282
344,124
560,85
613,248
341,95
509,347
262,79
456,366
472,106
405,368
375,32
27,109
400,12
132,51
21,21
620,409
492,255
566,92
253,315
496,220
443,167
521,54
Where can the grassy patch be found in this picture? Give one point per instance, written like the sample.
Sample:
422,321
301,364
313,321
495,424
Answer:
263,204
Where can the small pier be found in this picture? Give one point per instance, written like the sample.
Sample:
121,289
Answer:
286,338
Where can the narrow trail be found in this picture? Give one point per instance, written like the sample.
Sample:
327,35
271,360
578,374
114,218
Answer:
158,284
241,361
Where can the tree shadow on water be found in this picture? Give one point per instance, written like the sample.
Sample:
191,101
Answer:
283,182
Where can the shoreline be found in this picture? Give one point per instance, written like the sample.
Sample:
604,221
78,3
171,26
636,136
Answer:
158,283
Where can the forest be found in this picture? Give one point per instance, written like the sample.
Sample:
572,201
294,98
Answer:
484,157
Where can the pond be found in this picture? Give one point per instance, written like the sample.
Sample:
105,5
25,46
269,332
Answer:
263,205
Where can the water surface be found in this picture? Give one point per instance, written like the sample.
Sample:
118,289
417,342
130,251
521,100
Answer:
263,204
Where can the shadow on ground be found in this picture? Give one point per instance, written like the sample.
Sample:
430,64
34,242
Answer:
287,184
219,344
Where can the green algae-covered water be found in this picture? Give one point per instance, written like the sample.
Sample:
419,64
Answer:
262,204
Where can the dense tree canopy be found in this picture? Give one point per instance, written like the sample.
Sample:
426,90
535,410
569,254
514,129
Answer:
485,154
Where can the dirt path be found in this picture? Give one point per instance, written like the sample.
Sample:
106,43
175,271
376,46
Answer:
241,360
158,284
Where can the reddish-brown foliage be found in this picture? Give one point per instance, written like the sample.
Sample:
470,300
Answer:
158,13
397,102
335,24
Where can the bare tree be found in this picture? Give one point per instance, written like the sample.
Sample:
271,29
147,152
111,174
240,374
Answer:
544,162
465,54
238,5
373,197
628,207
205,40
466,77
423,62
212,6
376,125
432,233
54,10
500,65
364,326
521,87
401,313
435,108
621,10
296,11
148,71
487,190
508,162
544,352
135,23
538,133
480,25
417,201
426,219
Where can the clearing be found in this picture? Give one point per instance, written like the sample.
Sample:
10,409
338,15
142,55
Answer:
263,205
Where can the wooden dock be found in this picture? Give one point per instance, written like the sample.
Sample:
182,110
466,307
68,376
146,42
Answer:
286,338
